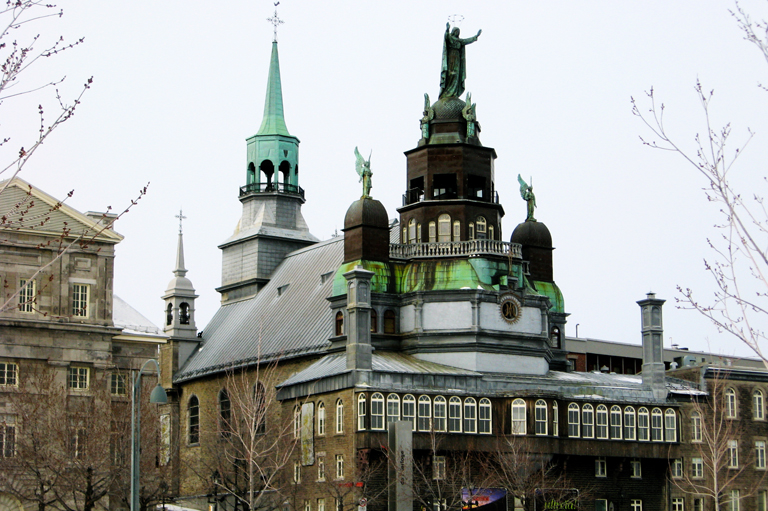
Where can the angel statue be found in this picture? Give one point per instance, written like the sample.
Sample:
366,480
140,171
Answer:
363,169
526,192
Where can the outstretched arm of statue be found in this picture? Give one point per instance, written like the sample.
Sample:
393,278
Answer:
471,39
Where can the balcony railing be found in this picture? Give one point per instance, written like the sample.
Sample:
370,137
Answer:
455,249
272,188
415,195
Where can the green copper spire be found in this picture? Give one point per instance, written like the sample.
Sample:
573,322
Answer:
274,123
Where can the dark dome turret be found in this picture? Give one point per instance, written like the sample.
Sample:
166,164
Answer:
366,231
537,248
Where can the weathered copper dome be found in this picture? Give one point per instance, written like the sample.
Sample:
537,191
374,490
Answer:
537,248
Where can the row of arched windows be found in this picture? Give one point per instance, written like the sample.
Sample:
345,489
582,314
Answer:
600,422
452,415
389,326
321,419
731,403
257,413
446,230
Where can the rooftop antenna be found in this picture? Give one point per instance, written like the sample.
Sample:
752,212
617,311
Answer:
181,217
275,22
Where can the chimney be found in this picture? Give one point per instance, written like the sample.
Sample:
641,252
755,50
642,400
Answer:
653,335
359,349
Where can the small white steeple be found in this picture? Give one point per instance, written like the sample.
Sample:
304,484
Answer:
180,297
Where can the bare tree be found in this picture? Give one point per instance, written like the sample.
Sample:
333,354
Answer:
249,446
366,480
20,50
517,465
739,267
718,455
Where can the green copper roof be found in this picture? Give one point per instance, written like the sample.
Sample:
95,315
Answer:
273,123
551,291
381,282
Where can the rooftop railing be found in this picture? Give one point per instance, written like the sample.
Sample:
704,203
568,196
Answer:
271,188
415,195
455,249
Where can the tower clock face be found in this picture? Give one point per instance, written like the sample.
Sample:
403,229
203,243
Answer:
510,309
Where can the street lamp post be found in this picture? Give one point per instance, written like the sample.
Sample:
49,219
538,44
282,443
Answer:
158,395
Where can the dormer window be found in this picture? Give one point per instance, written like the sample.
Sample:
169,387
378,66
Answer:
339,323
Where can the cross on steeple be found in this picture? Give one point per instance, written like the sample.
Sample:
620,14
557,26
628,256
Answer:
181,217
275,22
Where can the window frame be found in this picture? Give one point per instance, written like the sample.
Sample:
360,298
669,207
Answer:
732,454
696,432
339,467
657,425
470,415
393,407
519,417
377,411
409,410
630,422
540,417
697,468
758,405
80,308
731,404
118,384
574,420
193,420
439,413
670,425
677,468
424,413
339,416
27,293
321,419
601,422
485,417
601,467
361,411
75,380
759,454
615,423
635,469
643,424
454,415
587,421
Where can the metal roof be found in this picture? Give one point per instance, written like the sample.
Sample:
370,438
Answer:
290,316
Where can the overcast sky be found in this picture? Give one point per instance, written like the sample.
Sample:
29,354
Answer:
179,85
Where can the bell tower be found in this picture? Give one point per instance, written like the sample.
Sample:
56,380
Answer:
271,224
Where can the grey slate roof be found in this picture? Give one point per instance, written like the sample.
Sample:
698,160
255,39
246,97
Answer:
289,317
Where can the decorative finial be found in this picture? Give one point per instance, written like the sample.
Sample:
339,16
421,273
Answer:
181,218
275,22
363,169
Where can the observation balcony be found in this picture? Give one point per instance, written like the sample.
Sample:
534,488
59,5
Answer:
272,188
415,195
455,249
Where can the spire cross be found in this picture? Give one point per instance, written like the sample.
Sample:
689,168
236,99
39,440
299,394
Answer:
181,218
275,22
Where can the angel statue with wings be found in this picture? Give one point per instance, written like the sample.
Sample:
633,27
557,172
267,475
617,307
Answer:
526,192
364,171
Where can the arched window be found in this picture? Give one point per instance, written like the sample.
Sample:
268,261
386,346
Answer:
471,227
642,424
321,418
169,314
184,313
377,410
418,232
297,421
587,421
554,337
339,330
656,426
629,423
602,422
404,239
696,427
339,416
361,412
670,425
425,413
260,407
389,322
454,415
409,409
393,407
374,321
456,230
268,169
555,420
480,226
540,417
444,228
616,422
485,425
412,231
758,405
573,420
432,232
518,417
440,413
251,174
285,172
730,403
225,413
490,232
193,420
470,415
